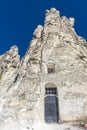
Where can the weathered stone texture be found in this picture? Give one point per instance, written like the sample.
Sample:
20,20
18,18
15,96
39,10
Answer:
22,83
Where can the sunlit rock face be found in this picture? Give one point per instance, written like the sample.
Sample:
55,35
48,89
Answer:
54,67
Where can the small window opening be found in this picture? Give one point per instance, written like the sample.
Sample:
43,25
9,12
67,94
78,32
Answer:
50,68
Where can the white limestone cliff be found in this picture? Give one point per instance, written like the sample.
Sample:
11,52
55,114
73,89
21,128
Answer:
22,82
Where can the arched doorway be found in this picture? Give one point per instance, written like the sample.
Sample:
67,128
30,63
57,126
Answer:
51,109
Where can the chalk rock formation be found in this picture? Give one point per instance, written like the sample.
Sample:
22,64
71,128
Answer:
23,83
9,64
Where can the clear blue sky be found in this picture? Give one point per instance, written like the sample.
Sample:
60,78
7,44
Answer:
19,18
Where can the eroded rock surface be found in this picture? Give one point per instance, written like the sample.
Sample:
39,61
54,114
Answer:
22,83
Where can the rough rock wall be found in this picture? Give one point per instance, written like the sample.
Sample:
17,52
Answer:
22,83
9,65
68,52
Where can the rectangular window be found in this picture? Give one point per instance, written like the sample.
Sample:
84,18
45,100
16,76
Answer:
50,70
51,91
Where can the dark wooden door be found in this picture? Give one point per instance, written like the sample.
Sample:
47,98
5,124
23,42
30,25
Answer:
51,109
